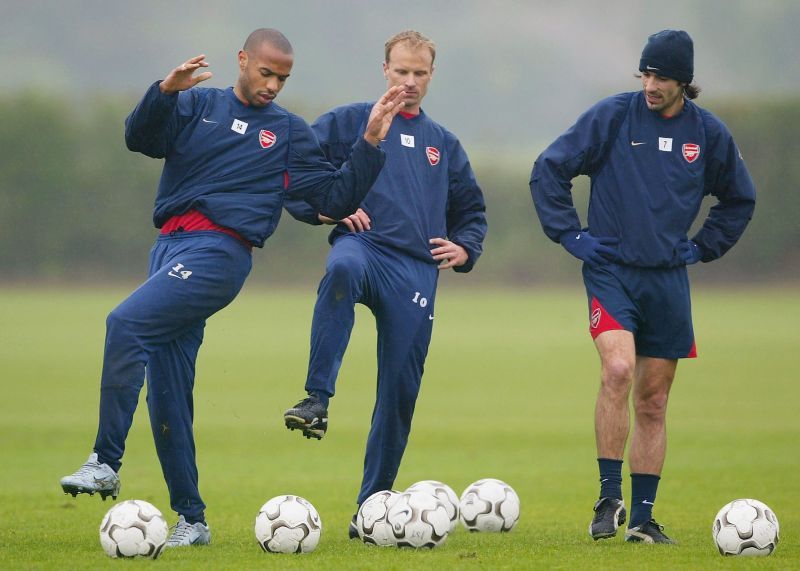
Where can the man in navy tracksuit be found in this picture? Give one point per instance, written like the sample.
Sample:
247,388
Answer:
231,156
424,214
651,155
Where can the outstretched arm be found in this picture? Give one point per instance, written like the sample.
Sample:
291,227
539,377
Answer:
337,194
153,126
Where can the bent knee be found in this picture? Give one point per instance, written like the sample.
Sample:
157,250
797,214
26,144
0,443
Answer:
123,322
344,273
345,266
116,319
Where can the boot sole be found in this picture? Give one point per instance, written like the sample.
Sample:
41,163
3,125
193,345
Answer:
297,423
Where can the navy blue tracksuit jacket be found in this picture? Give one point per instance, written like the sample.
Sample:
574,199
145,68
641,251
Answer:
649,175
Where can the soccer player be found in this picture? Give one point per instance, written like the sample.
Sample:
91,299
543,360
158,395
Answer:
230,158
424,214
651,155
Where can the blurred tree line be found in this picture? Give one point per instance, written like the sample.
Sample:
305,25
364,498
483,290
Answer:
75,204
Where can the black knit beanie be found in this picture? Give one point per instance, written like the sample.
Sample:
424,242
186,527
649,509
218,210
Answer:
669,53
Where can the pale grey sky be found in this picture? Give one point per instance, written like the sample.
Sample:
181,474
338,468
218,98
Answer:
510,74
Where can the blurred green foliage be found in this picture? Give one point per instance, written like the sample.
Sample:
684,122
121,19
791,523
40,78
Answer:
75,204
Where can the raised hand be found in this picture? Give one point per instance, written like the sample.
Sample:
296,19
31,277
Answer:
382,114
590,249
181,78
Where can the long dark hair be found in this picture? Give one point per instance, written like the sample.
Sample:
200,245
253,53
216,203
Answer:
691,90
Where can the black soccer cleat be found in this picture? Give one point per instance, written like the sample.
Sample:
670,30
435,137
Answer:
310,416
648,532
352,529
609,514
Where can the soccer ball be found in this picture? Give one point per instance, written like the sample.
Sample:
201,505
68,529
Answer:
489,505
371,518
418,519
288,524
131,528
745,527
444,493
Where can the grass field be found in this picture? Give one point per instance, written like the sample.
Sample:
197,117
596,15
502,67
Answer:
508,393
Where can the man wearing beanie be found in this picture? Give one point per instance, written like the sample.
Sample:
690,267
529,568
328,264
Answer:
652,155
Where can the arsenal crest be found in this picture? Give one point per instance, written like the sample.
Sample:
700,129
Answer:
433,155
267,138
690,152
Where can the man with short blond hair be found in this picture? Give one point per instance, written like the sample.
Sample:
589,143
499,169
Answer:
424,214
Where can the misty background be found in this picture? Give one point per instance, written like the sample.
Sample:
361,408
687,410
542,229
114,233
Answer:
75,204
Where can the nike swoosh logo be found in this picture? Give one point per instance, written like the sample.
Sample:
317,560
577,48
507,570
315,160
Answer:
207,121
648,503
637,143
653,68
430,317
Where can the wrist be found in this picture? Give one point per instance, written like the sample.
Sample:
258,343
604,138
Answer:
372,140
698,250
568,235
165,90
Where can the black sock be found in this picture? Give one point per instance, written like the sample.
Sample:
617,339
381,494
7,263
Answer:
610,478
643,496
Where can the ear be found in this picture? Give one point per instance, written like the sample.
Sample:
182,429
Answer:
242,60
385,70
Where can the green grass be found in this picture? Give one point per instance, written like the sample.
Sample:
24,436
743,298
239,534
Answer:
508,393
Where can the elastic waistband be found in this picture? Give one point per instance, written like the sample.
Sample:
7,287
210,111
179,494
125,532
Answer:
195,221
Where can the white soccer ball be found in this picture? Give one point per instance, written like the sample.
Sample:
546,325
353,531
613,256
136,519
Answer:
489,505
444,493
133,528
371,518
288,524
418,519
746,527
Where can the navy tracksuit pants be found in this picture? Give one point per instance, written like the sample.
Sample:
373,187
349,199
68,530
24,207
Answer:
400,292
159,329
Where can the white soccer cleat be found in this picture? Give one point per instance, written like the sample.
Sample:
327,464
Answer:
185,533
92,477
